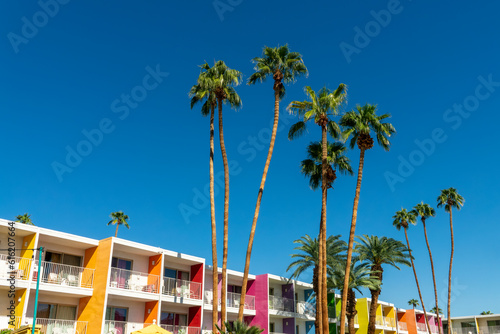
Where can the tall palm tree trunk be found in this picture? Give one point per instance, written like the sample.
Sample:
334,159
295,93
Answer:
433,275
316,292
324,292
375,294
416,281
259,198
451,263
226,216
351,238
321,269
351,311
215,299
116,231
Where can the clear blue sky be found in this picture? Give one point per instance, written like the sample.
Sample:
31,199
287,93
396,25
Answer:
69,74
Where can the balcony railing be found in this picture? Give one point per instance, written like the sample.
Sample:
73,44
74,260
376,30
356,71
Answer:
280,303
181,329
233,300
17,266
489,330
63,274
56,326
421,327
402,326
379,320
133,280
434,328
305,308
464,330
390,322
121,327
181,288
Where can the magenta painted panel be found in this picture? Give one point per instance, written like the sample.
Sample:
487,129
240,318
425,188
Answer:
251,288
261,318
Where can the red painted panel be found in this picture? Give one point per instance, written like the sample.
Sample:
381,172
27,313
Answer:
194,317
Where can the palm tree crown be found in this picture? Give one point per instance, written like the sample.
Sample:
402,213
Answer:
24,219
378,251
322,106
360,276
118,218
413,302
284,66
404,217
434,309
424,211
312,167
360,122
450,198
309,253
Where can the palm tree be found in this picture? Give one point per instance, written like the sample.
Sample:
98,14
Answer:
425,211
361,276
436,310
24,219
413,302
204,90
322,106
450,198
284,66
118,218
402,219
239,327
308,257
486,312
378,252
358,124
224,79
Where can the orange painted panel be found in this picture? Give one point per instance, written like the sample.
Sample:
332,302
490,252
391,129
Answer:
92,308
152,307
411,322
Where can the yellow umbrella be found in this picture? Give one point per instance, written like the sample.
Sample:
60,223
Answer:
152,329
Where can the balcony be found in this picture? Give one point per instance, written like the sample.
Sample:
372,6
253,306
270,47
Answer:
280,304
489,330
390,322
133,280
55,326
379,320
181,288
402,326
421,327
65,275
17,266
121,327
356,322
233,300
434,328
181,329
464,330
305,308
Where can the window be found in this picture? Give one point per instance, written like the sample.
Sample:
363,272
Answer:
54,311
116,313
121,263
271,327
297,329
271,291
72,260
237,289
176,274
493,323
173,319
469,324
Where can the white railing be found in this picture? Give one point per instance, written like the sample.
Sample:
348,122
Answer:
14,266
379,320
233,300
434,328
133,280
121,327
464,330
55,326
280,303
181,288
356,322
390,322
181,329
421,327
402,326
63,274
305,308
489,329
